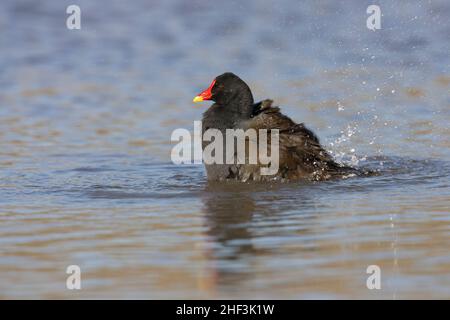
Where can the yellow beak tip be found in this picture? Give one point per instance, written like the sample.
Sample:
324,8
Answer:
197,99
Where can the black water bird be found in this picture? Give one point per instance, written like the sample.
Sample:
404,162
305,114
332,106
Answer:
301,156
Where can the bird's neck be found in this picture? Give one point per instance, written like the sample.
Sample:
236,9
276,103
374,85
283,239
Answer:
239,104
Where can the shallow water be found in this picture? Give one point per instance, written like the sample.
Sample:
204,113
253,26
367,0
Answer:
85,171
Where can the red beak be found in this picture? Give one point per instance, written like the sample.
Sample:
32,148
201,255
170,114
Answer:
205,95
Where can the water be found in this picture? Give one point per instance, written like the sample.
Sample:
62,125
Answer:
86,178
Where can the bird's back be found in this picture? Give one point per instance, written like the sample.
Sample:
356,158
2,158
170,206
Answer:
301,157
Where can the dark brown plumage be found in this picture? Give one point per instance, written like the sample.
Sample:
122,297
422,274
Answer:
301,157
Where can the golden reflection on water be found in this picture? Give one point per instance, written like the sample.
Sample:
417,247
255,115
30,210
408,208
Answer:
231,246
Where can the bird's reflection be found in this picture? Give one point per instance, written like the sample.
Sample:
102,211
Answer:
237,215
229,211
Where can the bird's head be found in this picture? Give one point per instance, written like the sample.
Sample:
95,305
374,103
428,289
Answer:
225,88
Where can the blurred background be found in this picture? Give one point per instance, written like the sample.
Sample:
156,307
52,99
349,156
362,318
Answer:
85,173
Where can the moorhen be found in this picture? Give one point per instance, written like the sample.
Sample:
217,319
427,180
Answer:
301,157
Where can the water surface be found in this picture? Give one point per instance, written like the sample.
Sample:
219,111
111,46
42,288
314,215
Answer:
85,172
